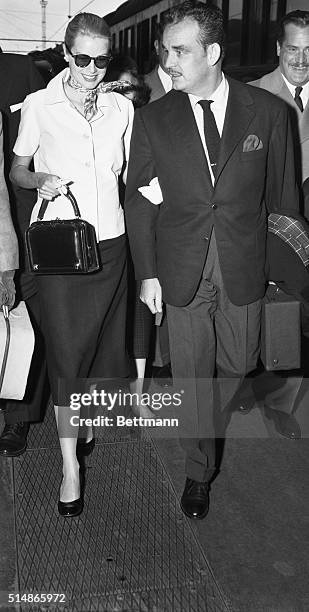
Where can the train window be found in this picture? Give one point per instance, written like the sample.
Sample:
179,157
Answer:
234,32
133,43
143,44
127,40
153,33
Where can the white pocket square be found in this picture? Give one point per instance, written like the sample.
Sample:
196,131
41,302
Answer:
152,192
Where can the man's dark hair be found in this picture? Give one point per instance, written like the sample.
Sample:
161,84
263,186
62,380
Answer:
208,17
298,18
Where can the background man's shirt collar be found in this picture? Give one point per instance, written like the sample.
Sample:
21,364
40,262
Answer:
165,79
304,94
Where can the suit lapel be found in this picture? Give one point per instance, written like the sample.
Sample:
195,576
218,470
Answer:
185,133
238,116
158,89
304,124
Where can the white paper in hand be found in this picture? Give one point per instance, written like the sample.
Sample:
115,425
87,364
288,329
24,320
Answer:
152,192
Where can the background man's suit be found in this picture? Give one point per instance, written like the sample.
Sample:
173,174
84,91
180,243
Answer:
18,78
274,83
284,397
255,172
153,80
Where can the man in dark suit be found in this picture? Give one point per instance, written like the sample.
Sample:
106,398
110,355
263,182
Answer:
18,78
290,82
221,152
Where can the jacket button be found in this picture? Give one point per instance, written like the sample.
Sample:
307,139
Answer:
214,206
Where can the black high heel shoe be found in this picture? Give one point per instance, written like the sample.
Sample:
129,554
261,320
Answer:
85,448
72,508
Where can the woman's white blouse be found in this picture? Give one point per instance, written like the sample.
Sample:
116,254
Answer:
90,154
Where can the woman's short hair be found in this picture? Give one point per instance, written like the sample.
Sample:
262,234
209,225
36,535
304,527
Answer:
86,24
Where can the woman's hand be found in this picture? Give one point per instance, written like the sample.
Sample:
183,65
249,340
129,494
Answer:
7,288
47,185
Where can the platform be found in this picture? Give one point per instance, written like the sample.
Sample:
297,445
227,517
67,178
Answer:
132,549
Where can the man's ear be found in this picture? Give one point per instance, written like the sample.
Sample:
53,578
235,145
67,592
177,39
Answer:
66,55
278,49
156,46
213,54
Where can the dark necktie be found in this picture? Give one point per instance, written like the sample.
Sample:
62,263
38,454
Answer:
212,135
298,99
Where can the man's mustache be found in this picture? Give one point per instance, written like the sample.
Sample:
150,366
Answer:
300,65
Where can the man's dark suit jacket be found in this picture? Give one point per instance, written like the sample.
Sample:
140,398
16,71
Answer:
255,174
18,78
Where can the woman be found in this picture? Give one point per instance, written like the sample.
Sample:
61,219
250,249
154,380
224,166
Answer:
76,132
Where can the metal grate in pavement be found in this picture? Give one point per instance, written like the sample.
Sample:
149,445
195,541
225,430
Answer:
131,549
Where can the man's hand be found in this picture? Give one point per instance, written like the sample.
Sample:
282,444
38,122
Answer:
7,288
47,185
151,294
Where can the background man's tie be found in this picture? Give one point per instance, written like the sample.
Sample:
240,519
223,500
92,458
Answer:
212,135
298,99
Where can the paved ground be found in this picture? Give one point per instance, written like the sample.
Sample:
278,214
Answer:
133,550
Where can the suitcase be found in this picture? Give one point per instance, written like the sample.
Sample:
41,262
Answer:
280,331
16,350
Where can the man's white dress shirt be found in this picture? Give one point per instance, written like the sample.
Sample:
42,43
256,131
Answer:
218,107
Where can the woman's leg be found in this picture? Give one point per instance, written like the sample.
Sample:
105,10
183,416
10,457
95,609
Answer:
70,486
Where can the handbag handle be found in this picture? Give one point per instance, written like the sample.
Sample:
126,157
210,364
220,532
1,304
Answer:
7,344
70,197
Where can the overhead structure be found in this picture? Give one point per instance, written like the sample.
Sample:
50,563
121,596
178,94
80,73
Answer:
43,22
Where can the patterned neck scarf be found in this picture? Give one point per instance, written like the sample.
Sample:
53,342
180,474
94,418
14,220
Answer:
91,99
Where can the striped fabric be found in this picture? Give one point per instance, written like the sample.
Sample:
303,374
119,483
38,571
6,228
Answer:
292,232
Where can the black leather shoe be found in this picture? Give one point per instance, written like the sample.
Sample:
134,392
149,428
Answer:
84,448
244,408
163,376
73,508
195,499
13,440
285,424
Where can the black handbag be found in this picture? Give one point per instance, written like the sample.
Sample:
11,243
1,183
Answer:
62,246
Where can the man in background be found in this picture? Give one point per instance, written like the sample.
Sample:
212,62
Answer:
158,79
290,82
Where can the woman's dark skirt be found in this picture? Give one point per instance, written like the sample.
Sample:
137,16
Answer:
84,320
